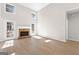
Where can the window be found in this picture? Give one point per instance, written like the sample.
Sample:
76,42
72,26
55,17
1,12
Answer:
10,8
34,17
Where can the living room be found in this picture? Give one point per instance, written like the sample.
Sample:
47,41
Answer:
39,28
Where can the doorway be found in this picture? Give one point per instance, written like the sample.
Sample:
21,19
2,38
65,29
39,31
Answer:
73,25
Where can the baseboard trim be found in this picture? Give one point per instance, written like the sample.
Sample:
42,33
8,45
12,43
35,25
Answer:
52,38
74,40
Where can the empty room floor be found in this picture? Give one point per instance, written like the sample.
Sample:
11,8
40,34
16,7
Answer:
39,46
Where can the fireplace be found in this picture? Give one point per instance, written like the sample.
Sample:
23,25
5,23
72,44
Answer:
24,32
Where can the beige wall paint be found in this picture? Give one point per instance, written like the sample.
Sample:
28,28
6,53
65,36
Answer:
53,22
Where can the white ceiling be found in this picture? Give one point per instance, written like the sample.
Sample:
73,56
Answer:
35,6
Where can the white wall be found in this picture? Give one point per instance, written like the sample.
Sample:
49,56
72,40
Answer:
22,17
53,22
0,23
74,26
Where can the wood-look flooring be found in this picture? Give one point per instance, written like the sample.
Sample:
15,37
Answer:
42,46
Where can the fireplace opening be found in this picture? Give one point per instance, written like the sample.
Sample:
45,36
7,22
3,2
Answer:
24,32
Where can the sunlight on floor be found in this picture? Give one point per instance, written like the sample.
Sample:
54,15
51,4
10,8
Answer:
8,44
47,41
37,37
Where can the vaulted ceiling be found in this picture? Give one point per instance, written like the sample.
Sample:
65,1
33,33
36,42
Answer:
35,6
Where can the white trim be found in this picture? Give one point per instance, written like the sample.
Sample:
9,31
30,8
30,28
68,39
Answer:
74,39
